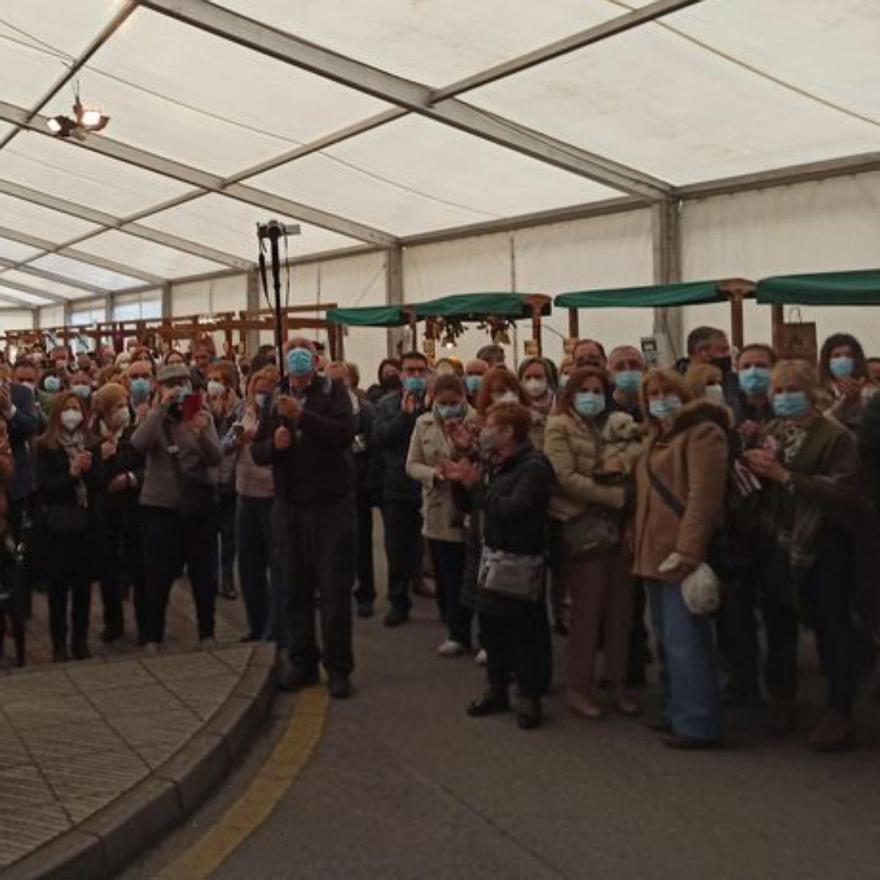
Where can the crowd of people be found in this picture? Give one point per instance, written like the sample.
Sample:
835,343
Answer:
570,498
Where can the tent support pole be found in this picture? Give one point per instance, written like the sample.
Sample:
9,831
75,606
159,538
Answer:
736,320
394,295
777,316
251,338
666,230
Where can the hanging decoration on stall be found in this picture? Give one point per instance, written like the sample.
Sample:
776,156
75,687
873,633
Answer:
497,328
798,339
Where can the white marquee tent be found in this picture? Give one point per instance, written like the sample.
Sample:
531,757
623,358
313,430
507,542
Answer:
429,147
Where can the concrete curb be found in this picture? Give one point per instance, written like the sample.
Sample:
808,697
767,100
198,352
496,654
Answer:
105,843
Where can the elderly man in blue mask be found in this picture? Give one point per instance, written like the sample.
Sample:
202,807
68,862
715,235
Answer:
307,437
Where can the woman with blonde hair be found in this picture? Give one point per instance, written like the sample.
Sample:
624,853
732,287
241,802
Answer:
680,493
813,511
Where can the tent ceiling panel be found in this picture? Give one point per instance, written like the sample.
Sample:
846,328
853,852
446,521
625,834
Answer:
666,106
44,284
412,175
230,225
233,108
147,256
22,297
847,31
44,222
85,272
435,43
13,250
82,176
27,68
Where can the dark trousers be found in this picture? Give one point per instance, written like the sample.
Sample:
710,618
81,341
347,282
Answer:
639,653
403,549
829,590
226,533
71,574
255,566
518,647
316,545
123,558
366,582
738,636
781,626
170,542
448,560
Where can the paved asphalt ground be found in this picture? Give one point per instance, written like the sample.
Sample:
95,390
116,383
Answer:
404,785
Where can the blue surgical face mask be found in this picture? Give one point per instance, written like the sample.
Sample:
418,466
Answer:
791,404
472,383
215,388
300,362
181,391
663,407
841,367
447,411
589,403
52,384
140,388
754,380
261,399
628,381
415,385
82,391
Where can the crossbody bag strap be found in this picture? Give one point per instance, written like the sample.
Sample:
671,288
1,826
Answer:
668,497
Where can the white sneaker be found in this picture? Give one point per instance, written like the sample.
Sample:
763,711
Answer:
451,648
481,659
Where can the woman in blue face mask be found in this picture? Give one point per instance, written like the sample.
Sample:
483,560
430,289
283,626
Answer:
593,453
843,373
812,535
430,450
680,491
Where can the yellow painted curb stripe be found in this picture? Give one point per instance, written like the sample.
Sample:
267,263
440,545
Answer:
261,797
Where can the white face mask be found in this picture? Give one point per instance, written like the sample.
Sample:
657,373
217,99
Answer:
215,388
715,394
535,388
71,419
505,397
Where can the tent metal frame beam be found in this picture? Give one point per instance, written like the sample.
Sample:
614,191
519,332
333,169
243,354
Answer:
611,28
110,223
843,166
11,265
50,247
407,94
203,180
53,298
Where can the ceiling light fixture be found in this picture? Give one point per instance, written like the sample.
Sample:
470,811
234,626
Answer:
85,120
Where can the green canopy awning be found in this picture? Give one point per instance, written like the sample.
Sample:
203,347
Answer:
368,316
859,288
475,306
688,294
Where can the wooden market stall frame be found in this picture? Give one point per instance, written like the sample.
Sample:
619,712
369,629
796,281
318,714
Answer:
860,287
458,308
193,327
732,290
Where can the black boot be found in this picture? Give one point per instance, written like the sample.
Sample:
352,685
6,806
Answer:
59,653
493,702
528,712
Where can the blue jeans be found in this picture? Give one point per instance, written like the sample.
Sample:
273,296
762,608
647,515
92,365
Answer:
691,693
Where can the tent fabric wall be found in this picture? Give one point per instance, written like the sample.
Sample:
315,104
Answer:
830,225
18,320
